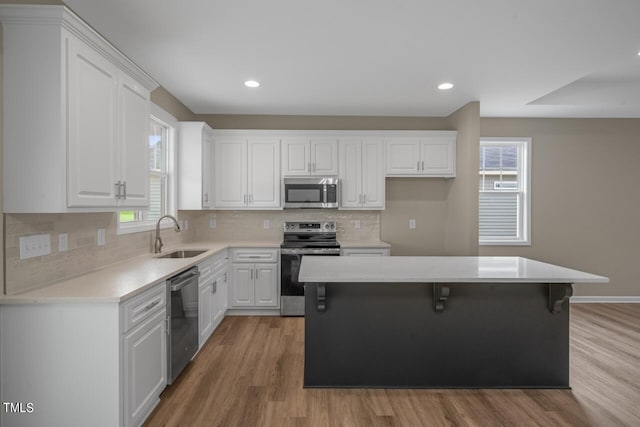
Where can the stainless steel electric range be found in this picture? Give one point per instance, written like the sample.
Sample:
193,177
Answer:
302,238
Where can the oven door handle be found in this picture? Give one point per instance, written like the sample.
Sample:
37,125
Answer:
285,251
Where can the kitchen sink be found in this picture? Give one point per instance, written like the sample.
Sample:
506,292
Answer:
183,254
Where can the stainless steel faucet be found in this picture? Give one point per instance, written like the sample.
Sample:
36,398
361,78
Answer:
158,245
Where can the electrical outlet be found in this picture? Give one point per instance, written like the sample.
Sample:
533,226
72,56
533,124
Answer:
102,236
212,223
33,246
266,224
63,242
356,223
412,224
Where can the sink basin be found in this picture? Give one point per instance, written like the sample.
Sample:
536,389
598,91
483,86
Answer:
183,254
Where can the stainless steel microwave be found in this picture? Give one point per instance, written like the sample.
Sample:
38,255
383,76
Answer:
311,193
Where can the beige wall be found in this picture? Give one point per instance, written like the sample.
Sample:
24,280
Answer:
172,105
585,197
462,204
323,122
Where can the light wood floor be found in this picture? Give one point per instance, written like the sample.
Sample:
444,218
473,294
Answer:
250,374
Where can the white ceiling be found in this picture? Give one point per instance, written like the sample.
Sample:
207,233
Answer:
519,58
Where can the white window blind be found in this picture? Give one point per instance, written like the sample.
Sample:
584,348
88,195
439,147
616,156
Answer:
504,191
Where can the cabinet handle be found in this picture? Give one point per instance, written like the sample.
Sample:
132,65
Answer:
167,326
151,305
206,198
214,287
257,273
423,166
118,191
124,185
225,277
418,165
252,274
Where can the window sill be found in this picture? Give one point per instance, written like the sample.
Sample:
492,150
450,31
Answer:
141,227
504,243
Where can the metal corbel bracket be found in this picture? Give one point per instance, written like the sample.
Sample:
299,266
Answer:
321,296
558,294
440,295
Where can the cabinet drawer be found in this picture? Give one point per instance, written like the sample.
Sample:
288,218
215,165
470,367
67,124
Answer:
141,307
220,262
254,255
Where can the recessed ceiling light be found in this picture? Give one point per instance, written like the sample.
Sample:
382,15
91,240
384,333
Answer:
251,83
445,86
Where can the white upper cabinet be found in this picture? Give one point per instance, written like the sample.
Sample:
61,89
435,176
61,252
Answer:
431,155
75,118
195,166
302,156
264,173
362,174
247,171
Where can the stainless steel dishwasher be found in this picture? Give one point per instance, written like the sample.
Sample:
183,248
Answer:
182,310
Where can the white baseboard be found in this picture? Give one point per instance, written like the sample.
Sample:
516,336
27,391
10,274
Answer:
608,300
253,312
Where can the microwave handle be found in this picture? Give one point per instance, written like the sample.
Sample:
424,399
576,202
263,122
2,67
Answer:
324,194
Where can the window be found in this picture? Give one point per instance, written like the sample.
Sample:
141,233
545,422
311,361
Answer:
161,176
505,208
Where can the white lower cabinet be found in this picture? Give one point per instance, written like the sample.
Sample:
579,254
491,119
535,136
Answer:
144,353
145,368
254,284
84,363
213,294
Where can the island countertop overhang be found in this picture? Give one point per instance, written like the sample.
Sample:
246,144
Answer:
438,269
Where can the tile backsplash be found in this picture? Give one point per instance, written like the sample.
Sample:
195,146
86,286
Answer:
250,225
84,255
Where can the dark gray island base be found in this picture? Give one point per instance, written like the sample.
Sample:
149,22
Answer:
426,335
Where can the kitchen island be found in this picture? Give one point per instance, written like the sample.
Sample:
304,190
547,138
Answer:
437,322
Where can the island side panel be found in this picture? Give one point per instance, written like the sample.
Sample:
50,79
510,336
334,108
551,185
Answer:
388,335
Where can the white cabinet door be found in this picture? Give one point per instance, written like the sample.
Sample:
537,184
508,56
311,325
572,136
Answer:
403,156
324,157
207,170
205,311
266,285
296,157
145,368
242,294
264,173
351,173
362,174
373,185
230,173
134,143
219,297
438,157
92,167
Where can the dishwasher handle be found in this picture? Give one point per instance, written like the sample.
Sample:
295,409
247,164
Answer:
183,280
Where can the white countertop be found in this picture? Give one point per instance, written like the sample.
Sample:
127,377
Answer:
375,244
400,269
124,280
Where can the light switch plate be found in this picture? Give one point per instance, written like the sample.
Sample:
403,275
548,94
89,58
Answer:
63,242
356,223
412,224
266,224
102,236
36,245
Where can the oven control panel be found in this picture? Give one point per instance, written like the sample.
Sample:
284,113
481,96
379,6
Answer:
310,227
